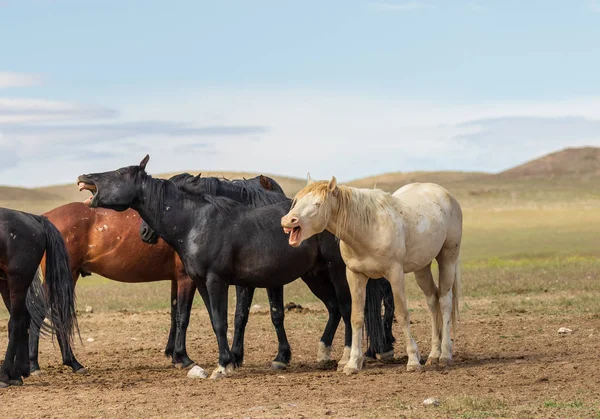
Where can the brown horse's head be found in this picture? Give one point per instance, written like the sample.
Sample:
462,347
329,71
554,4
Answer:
117,189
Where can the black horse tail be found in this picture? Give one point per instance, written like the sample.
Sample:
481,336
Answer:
379,332
59,285
37,305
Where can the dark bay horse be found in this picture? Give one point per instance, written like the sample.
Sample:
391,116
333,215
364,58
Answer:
107,243
23,240
221,242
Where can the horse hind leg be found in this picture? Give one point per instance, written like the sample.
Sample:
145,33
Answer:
449,281
426,283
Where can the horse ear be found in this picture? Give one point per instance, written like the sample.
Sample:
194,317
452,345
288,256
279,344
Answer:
332,185
308,179
144,162
266,183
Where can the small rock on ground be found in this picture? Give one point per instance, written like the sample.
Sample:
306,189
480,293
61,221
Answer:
432,401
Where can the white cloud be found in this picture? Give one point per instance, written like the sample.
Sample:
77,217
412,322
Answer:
36,110
294,132
8,79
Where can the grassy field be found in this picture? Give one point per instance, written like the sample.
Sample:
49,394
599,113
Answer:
534,259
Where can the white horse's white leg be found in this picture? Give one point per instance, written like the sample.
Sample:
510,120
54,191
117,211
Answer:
427,284
358,287
447,275
396,279
344,359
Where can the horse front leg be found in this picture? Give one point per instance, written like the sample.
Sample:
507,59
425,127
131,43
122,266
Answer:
358,284
218,293
185,299
284,353
244,296
170,348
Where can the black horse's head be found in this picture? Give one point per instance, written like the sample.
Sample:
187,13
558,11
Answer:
115,190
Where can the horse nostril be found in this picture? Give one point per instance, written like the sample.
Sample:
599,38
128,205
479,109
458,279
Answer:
293,220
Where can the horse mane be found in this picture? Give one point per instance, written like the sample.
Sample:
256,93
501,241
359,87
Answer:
247,191
160,190
356,207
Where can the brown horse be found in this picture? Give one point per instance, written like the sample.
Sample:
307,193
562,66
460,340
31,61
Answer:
107,243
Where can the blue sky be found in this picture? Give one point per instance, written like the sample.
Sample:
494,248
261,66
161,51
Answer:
350,88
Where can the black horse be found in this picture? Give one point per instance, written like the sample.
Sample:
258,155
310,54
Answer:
262,191
221,242
23,240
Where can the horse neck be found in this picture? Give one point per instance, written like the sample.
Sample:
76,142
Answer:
161,213
354,223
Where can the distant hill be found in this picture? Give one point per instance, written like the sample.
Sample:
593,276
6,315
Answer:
568,162
566,177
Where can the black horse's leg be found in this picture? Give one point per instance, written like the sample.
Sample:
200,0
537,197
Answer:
16,363
323,288
68,356
284,353
218,292
185,299
4,368
170,348
34,344
388,319
243,299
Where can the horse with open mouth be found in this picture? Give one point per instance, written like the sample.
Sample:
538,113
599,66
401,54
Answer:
107,243
333,292
221,242
23,240
389,235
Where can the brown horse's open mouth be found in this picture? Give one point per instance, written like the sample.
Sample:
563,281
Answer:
294,233
90,187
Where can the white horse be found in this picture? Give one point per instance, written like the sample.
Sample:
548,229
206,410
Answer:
383,235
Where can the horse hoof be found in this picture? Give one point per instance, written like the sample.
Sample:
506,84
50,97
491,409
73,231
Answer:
18,382
3,384
179,365
326,365
414,368
221,372
445,362
81,371
431,361
277,365
36,373
350,370
386,356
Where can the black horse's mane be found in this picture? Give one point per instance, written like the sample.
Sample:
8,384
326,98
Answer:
246,191
249,192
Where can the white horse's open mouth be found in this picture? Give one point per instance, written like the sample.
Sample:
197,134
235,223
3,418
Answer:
294,233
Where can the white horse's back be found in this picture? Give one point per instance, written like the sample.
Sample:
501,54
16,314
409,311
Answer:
432,220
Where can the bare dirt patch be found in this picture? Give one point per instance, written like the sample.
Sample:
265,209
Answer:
514,365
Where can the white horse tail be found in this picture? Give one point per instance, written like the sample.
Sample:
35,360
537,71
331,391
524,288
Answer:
456,290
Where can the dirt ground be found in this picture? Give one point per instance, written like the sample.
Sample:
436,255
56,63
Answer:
514,365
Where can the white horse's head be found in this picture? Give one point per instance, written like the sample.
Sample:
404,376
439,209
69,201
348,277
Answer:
311,211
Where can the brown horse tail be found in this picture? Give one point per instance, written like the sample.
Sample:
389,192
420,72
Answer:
59,284
456,290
